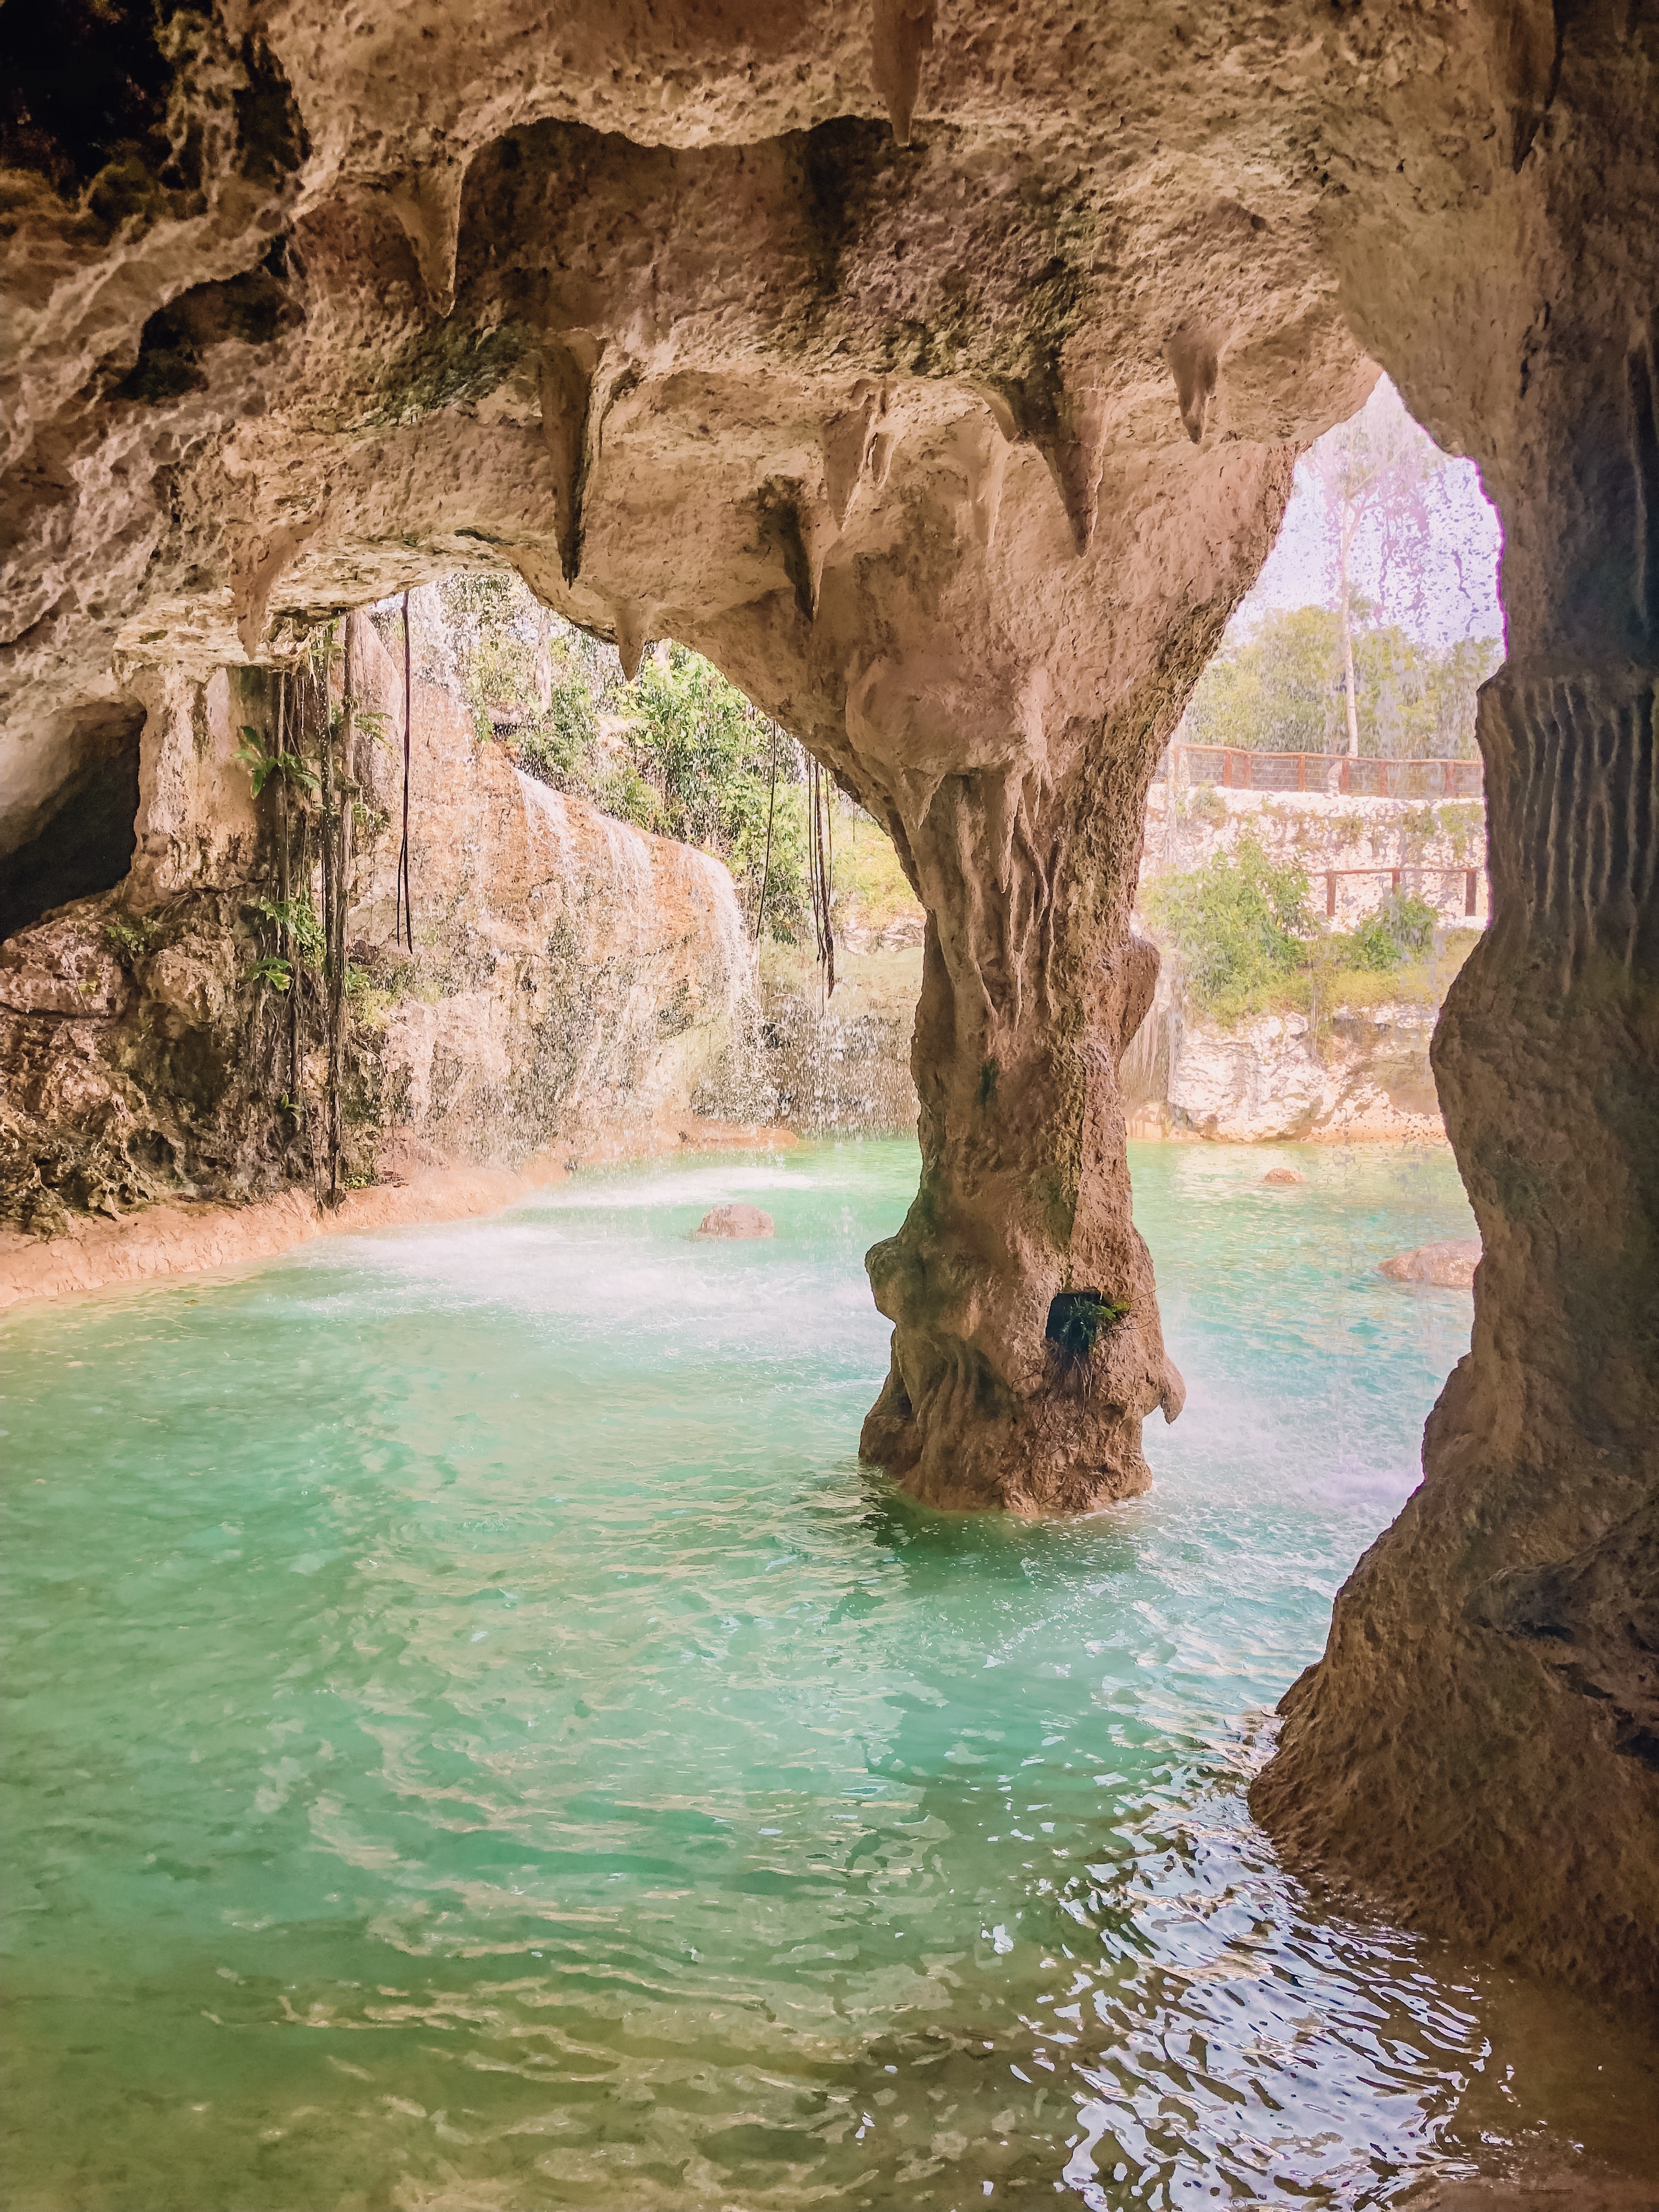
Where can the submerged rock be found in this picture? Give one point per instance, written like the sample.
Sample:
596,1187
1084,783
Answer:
1449,1267
734,1221
1284,1176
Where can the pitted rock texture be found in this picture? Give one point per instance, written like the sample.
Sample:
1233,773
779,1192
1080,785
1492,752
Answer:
939,371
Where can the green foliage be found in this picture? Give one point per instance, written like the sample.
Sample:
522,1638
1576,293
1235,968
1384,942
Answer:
1241,927
679,751
131,935
370,996
705,754
1240,923
298,918
262,765
868,877
1401,929
270,974
1077,1320
1280,690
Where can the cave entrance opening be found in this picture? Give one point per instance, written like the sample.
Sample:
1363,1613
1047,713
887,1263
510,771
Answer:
1314,870
78,837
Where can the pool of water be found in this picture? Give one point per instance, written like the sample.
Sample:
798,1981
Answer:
478,1741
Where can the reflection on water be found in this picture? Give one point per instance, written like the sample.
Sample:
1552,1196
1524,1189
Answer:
480,1743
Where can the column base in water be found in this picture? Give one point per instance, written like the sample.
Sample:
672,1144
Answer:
1026,1346
973,1446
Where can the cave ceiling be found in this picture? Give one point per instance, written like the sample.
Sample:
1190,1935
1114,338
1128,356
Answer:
932,367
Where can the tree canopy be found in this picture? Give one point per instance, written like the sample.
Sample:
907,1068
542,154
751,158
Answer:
679,750
1281,689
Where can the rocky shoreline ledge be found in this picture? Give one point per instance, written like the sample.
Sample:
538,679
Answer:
181,1237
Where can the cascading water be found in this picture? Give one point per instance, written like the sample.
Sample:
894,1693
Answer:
479,1742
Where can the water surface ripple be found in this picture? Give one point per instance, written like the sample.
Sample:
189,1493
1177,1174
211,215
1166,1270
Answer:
478,1743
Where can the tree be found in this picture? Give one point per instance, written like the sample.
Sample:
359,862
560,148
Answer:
1371,473
1275,691
1283,687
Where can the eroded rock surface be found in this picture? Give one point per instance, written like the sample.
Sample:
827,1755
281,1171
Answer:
940,373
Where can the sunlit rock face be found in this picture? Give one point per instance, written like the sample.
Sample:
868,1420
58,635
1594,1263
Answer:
939,372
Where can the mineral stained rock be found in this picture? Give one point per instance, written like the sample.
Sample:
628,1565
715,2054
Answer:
940,373
735,1221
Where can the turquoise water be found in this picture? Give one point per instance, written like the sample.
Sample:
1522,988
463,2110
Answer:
477,1740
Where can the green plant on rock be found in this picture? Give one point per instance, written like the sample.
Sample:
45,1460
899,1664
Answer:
1077,1322
270,974
262,766
131,935
370,996
1401,929
299,919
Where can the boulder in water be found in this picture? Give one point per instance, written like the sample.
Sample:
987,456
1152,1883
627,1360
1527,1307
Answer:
734,1221
1284,1176
1449,1267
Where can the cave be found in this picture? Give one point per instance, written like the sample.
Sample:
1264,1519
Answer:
79,838
940,379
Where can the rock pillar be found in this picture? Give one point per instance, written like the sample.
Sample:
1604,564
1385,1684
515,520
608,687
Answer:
1026,1345
1481,1739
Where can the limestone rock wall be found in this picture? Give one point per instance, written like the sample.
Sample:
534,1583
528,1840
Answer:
568,969
570,976
1358,1075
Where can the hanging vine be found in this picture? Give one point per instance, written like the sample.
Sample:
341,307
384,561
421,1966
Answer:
404,921
306,964
820,862
771,811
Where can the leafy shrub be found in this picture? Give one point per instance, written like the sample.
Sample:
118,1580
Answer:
1401,929
1077,1319
300,919
1240,923
679,751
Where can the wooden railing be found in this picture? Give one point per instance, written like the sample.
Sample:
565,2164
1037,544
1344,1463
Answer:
1356,774
1472,880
